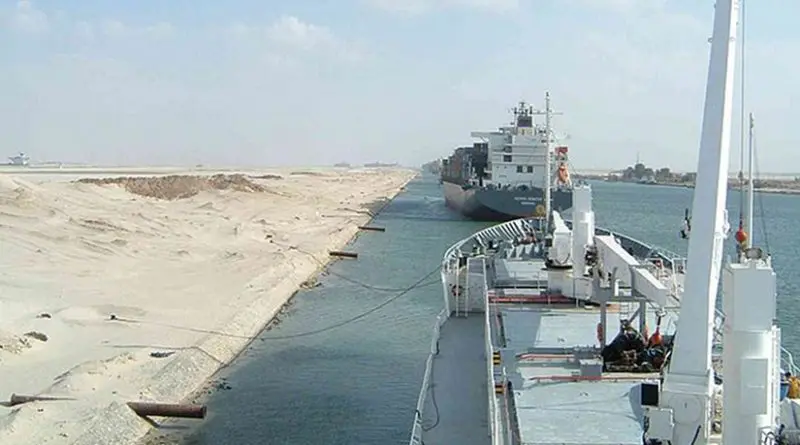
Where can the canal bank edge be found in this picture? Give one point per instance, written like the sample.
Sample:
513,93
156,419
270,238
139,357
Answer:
192,368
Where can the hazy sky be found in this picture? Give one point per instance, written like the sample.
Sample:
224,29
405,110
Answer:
321,81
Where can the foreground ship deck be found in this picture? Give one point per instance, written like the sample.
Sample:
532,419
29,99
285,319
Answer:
517,353
516,362
550,389
458,415
543,349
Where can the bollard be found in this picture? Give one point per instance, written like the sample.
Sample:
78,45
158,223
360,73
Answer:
372,228
185,411
18,399
337,253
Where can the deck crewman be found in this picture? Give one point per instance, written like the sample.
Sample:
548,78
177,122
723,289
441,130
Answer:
794,386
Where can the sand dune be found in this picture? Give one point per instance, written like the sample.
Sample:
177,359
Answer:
101,277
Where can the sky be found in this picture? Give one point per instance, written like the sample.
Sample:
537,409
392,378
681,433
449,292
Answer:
314,82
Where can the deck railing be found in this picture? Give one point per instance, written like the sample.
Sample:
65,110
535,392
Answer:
417,429
518,228
489,349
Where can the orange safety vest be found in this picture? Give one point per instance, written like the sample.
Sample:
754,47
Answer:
794,388
655,340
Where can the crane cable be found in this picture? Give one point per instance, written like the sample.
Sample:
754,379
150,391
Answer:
359,316
760,197
420,283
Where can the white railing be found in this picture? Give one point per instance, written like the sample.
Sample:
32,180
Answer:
445,286
417,428
499,430
518,228
489,366
787,362
498,427
507,230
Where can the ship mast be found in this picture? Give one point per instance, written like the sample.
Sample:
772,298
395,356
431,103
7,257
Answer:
548,114
750,185
685,401
547,167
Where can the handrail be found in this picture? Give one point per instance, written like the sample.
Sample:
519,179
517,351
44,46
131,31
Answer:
789,359
417,428
489,365
515,227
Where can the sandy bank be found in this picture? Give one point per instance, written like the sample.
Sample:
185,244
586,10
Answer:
211,256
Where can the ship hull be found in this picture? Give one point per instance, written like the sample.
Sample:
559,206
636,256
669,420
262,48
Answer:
502,205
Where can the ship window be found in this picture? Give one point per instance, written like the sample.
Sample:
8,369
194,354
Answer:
530,169
506,158
507,149
519,169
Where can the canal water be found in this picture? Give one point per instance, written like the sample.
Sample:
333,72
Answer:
357,382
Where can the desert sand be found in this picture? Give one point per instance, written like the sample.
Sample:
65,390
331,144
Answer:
101,278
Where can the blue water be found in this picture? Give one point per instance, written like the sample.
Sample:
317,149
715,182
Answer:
358,384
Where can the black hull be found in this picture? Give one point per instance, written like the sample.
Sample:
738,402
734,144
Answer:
502,205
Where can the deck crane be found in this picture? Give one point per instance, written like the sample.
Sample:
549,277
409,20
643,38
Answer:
682,416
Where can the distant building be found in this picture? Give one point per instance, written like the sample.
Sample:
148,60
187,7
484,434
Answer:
21,160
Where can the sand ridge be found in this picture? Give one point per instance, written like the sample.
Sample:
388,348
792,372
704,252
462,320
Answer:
169,258
173,187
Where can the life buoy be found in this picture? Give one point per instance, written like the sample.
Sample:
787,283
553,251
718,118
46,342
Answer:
741,237
456,290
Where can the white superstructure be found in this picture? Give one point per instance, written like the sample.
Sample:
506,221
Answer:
524,153
751,345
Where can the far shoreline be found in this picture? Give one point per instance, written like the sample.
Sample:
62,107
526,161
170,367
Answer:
767,190
770,190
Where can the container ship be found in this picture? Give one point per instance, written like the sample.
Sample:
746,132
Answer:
515,172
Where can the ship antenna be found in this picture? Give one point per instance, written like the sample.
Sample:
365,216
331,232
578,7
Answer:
548,158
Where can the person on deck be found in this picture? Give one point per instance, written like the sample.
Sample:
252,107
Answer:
794,386
655,339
